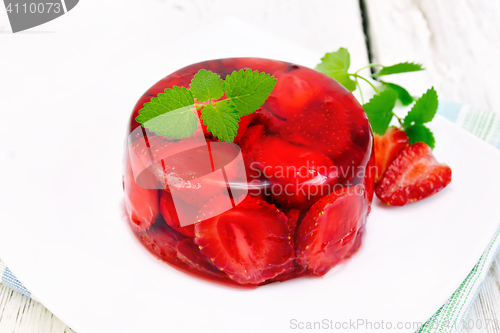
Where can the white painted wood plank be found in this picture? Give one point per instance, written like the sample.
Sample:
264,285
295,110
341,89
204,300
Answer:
19,313
458,41
320,25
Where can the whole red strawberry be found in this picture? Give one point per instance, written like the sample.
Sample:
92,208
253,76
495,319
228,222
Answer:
414,175
387,148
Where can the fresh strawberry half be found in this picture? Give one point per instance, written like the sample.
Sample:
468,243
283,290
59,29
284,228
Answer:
298,174
387,148
251,243
293,219
162,241
141,203
189,253
329,233
169,212
414,175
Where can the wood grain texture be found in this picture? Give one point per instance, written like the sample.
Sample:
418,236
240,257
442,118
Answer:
319,25
458,41
19,313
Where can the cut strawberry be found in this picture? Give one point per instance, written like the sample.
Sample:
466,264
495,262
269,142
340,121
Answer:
189,253
329,233
414,175
169,212
298,175
251,243
141,203
387,148
162,241
293,219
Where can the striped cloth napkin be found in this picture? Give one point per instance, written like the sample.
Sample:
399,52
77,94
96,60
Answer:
452,314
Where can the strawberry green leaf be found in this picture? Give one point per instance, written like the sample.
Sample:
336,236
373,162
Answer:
248,89
346,81
379,110
206,85
336,64
424,109
403,95
403,67
222,120
170,114
420,133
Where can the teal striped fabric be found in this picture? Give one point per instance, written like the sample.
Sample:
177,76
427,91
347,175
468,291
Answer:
451,316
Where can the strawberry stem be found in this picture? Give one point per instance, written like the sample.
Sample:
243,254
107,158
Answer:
360,91
400,121
371,84
368,66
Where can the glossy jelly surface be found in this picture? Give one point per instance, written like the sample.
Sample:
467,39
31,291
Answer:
289,198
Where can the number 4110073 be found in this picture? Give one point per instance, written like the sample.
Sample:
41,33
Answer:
33,8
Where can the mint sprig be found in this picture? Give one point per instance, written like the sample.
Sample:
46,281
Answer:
222,120
248,89
424,109
404,67
403,95
379,108
206,85
172,113
336,65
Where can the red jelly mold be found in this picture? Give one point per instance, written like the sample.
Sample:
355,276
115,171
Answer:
301,204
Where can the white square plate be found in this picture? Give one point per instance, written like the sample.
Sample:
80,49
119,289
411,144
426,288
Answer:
63,233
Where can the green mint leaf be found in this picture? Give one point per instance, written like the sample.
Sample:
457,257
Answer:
170,114
403,95
403,67
206,85
424,109
222,120
248,89
379,110
420,133
345,80
336,64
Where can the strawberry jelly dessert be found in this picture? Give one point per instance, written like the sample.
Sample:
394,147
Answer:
301,205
